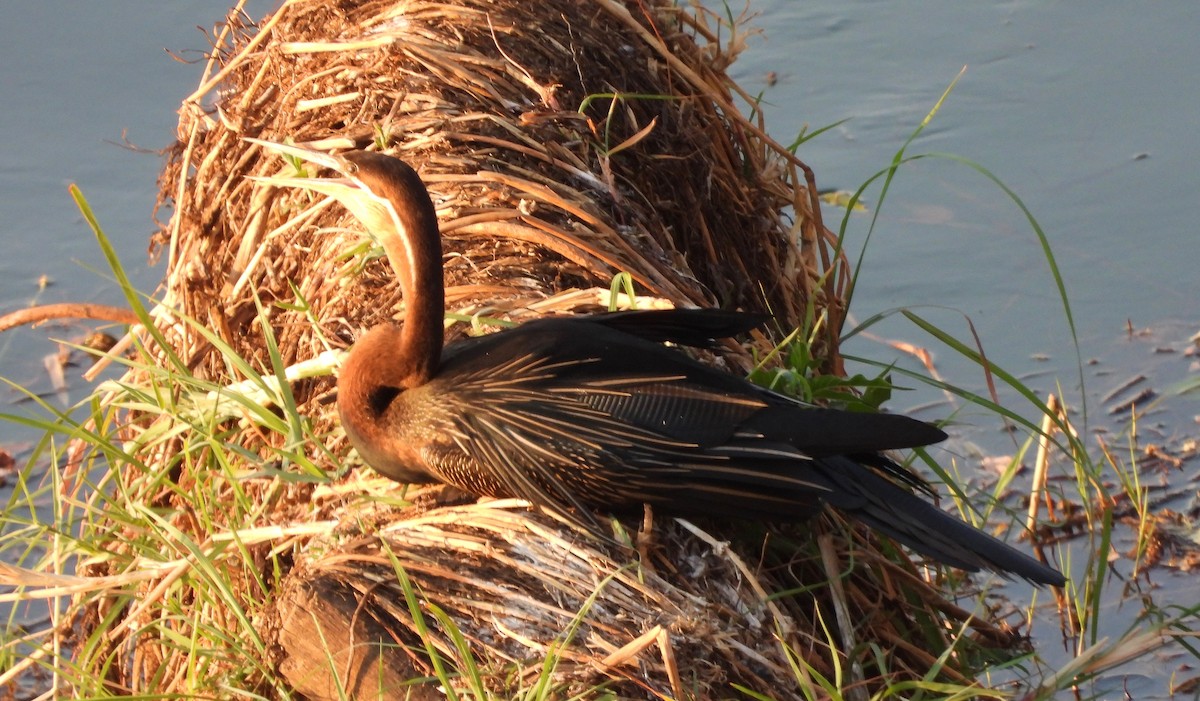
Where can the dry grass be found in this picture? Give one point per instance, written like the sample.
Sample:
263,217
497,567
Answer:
546,187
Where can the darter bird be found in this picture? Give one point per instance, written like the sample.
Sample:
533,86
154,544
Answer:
591,413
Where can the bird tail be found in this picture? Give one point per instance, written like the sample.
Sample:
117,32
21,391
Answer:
913,522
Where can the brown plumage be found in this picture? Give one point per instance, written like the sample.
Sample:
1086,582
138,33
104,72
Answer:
595,413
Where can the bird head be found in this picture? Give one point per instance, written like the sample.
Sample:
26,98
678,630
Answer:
364,187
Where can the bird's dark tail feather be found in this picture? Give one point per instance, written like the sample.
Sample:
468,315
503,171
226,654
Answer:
922,526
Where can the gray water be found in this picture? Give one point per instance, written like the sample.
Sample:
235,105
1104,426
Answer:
82,84
1088,112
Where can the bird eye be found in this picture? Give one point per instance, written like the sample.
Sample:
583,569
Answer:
351,168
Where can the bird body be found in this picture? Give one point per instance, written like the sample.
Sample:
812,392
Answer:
595,413
570,394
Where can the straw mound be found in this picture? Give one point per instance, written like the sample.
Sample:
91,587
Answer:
541,200
536,197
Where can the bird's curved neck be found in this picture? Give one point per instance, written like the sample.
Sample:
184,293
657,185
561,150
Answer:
416,256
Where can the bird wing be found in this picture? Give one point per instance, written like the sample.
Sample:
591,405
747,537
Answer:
562,423
564,452
578,416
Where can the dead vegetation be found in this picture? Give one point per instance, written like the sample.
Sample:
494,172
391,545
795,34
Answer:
563,143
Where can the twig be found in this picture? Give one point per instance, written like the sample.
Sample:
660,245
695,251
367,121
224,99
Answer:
67,310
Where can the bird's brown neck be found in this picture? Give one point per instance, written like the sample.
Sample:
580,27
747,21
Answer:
413,244
416,256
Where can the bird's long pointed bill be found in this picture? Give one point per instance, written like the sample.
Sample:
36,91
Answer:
372,211
333,187
311,155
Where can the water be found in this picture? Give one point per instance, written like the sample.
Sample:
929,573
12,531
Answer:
79,80
1087,112
1086,115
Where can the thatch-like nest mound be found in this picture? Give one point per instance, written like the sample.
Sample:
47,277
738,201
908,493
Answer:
563,143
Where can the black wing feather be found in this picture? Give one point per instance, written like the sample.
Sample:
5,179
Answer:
699,328
580,414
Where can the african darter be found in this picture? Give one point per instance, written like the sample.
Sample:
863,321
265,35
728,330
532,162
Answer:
593,412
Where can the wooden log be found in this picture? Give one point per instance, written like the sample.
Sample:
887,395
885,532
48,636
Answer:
334,648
